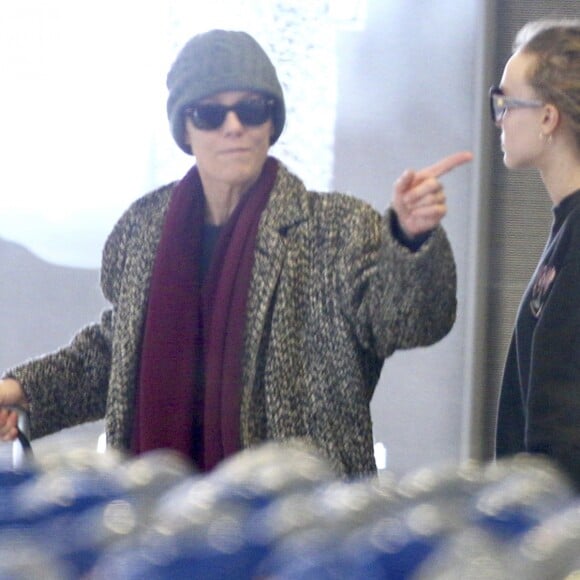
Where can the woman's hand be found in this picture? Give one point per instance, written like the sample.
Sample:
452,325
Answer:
418,196
11,395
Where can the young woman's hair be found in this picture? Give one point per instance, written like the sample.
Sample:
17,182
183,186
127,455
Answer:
555,75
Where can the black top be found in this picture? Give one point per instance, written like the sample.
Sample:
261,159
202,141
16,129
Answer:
539,409
210,235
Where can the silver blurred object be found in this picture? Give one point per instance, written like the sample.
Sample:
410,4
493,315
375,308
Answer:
21,448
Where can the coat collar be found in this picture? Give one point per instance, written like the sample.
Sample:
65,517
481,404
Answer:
286,211
287,206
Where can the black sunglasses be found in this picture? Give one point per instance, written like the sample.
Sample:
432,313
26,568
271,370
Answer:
250,112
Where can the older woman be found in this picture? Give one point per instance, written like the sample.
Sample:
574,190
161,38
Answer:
244,307
537,108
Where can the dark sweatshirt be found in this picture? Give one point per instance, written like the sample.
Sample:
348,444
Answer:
539,408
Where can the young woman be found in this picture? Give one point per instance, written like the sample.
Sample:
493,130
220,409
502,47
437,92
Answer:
537,108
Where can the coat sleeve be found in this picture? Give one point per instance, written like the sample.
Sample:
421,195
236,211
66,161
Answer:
69,386
554,384
397,298
510,416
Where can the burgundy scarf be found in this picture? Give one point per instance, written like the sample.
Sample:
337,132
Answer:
191,360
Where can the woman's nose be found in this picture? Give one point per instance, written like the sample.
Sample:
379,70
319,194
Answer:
232,122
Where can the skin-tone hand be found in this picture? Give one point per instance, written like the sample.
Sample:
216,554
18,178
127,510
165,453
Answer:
418,196
11,393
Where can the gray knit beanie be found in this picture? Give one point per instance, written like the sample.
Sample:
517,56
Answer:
216,61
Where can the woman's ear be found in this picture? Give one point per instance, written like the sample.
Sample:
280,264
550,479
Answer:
551,119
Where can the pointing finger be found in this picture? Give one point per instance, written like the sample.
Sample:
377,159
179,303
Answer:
446,164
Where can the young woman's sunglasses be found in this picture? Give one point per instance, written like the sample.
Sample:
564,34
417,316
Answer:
250,112
499,104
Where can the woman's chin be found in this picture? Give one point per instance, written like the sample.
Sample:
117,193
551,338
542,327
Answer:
510,162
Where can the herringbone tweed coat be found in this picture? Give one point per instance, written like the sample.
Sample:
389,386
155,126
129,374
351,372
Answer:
332,295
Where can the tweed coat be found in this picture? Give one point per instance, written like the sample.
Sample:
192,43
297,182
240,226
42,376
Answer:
333,294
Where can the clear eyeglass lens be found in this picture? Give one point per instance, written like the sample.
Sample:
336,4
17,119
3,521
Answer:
498,106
